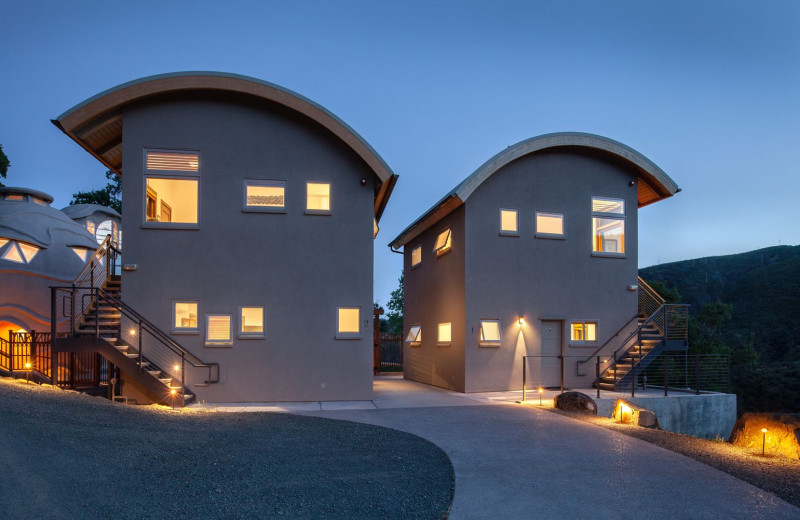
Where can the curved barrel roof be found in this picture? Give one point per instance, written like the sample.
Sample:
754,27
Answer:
653,185
96,124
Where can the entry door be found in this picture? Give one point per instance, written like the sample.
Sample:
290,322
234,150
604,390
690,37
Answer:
551,349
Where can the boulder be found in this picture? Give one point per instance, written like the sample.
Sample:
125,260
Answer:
628,412
781,438
575,402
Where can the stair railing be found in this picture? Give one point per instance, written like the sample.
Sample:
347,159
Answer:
649,299
96,271
580,363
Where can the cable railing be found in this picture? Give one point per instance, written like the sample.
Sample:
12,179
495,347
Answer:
649,299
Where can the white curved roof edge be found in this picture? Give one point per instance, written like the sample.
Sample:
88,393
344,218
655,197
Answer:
368,153
534,144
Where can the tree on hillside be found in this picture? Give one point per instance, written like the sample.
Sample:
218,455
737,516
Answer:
395,305
4,164
110,196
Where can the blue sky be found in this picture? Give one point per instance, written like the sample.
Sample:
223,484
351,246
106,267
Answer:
708,90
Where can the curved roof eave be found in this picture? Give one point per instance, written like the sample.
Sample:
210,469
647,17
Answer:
657,184
95,116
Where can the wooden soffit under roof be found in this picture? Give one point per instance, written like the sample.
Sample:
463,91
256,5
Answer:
653,184
96,124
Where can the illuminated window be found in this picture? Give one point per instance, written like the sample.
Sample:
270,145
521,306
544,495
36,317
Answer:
82,252
318,197
549,225
251,322
184,316
608,230
375,227
169,199
583,332
444,334
509,222
414,335
218,329
264,196
172,161
18,252
490,333
347,322
15,197
443,242
37,200
416,256
90,226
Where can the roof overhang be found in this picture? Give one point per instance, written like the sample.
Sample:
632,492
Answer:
96,124
653,184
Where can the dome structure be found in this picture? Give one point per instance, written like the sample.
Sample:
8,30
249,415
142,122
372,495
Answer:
40,246
98,220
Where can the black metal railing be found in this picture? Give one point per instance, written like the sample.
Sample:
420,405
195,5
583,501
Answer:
649,299
391,350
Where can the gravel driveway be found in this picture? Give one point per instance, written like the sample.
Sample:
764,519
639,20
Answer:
67,455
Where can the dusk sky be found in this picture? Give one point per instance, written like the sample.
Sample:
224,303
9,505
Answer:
709,91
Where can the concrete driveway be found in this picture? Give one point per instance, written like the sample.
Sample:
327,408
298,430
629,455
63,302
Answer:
513,461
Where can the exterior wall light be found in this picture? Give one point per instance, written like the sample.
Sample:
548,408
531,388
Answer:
177,368
521,321
132,332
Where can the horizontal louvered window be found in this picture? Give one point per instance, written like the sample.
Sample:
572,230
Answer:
218,329
173,161
606,205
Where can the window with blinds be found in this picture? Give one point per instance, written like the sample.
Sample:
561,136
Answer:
218,329
173,161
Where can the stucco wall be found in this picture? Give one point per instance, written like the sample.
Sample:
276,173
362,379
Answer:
434,293
537,278
299,267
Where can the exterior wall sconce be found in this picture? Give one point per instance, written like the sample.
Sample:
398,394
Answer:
521,321
132,332
633,287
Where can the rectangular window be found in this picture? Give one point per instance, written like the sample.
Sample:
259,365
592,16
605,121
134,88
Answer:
90,227
444,333
264,196
509,222
608,231
173,161
549,225
414,335
490,333
348,322
583,332
171,200
318,197
218,329
251,322
416,256
184,316
443,242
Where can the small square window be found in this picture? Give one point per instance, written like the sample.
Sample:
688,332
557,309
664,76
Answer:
184,317
490,333
583,332
318,197
414,335
251,322
443,242
509,222
171,200
348,322
445,335
549,225
264,196
218,329
416,256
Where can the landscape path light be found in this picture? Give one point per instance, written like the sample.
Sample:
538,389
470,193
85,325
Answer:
28,372
763,440
541,391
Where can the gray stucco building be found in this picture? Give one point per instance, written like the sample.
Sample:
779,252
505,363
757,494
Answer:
534,254
249,220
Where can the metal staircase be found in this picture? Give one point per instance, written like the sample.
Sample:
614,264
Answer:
661,327
89,316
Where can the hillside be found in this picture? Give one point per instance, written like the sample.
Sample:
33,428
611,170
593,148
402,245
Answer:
763,286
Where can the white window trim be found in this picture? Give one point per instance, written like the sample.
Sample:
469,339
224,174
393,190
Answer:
576,343
171,173
489,343
445,248
273,183
413,265
252,335
347,335
551,236
507,233
170,225
444,343
185,330
328,211
416,341
219,343
611,216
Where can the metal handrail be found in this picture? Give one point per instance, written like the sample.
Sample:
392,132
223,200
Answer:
601,348
648,299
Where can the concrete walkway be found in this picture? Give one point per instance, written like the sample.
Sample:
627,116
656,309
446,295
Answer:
516,461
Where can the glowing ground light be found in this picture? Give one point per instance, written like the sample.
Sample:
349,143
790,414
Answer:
763,440
541,391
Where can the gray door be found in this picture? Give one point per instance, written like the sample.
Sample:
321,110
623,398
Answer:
551,349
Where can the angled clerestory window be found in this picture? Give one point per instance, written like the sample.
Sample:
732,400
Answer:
443,242
490,333
414,337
